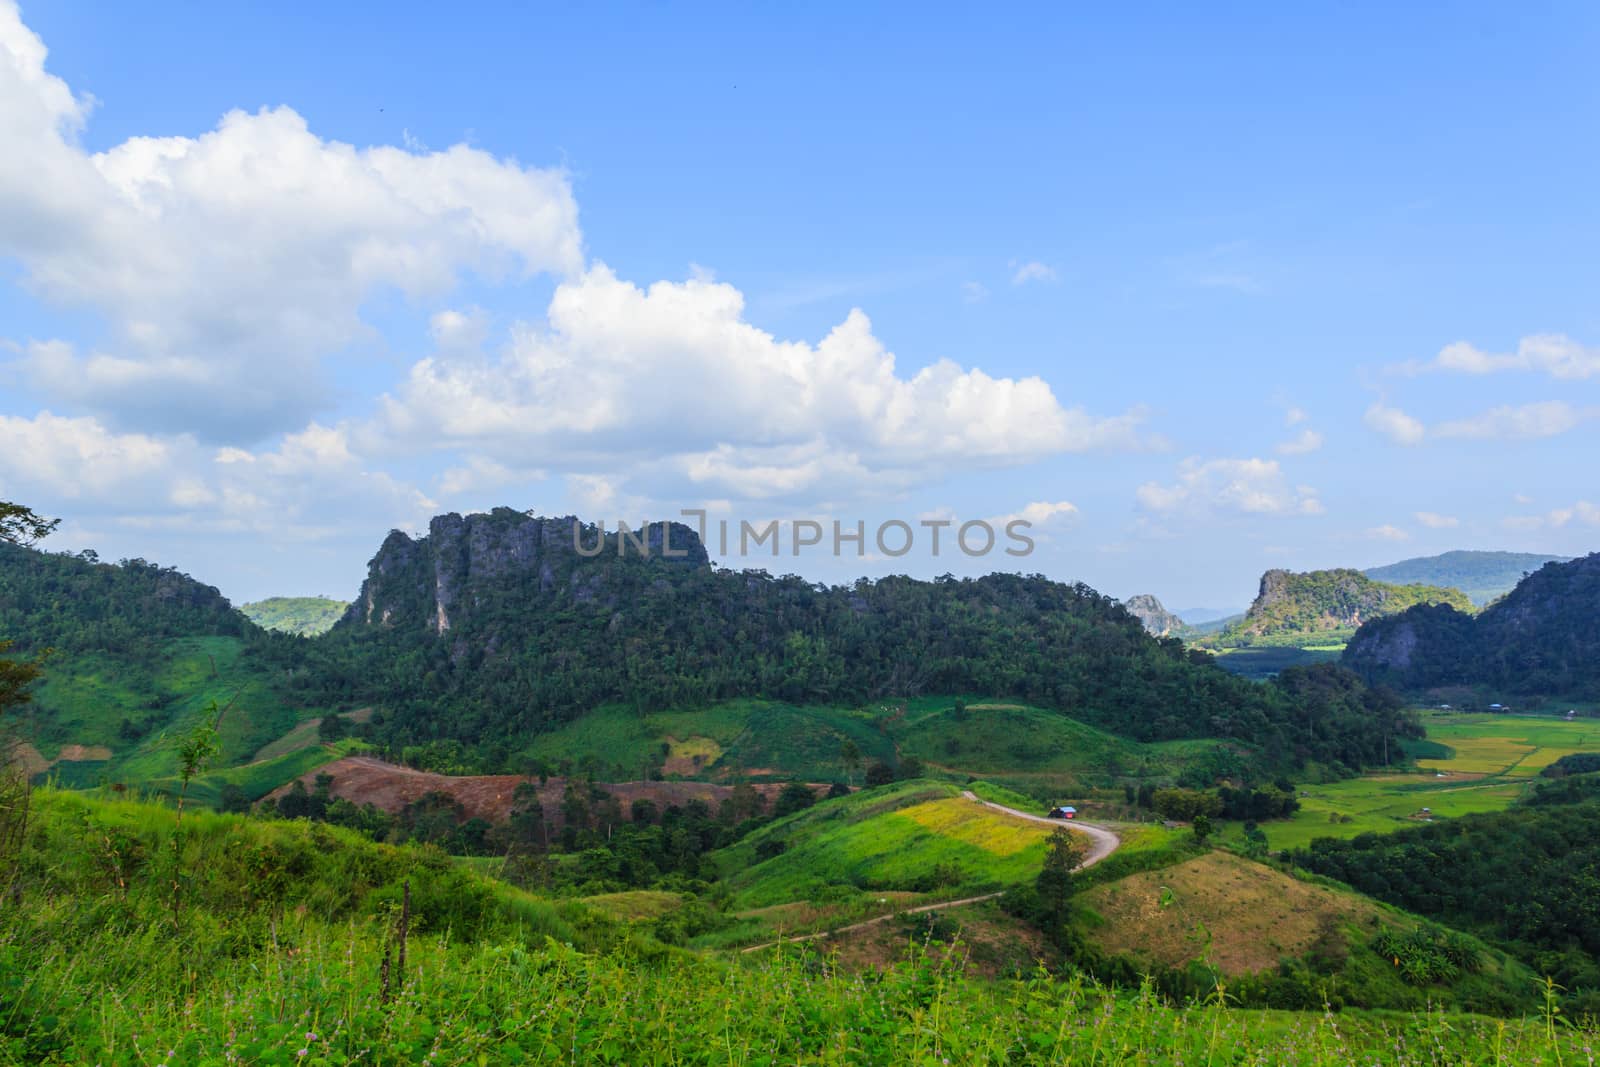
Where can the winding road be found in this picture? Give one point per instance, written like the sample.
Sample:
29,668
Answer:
1103,843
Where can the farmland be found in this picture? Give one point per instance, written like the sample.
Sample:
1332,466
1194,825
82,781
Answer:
1470,764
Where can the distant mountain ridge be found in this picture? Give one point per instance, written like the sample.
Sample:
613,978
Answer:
1542,638
1482,576
1330,605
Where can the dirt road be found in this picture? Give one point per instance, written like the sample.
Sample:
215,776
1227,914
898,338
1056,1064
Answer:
1103,843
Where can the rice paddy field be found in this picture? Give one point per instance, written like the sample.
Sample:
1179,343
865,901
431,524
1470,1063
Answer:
1470,764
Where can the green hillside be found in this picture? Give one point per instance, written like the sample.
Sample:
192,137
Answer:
303,615
1482,576
278,948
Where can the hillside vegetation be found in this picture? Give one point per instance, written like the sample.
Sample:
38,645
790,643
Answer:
493,630
1482,576
1525,877
1322,607
306,616
1540,639
280,949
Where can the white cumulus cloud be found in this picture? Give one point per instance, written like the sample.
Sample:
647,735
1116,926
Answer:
1434,521
1524,422
228,265
671,384
1395,424
1247,486
1554,354
1032,271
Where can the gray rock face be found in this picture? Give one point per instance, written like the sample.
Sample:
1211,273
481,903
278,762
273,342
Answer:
1156,618
467,560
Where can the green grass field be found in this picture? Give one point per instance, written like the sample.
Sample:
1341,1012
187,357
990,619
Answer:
1469,764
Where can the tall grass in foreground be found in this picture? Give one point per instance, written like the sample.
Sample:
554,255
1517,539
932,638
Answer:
312,997
285,929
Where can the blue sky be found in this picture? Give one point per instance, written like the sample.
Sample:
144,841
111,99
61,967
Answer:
1245,287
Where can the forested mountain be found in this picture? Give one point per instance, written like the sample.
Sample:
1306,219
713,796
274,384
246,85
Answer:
494,627
1541,638
75,603
1156,618
1482,576
1328,605
303,615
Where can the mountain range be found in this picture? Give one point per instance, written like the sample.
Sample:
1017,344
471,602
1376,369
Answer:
1482,576
1539,639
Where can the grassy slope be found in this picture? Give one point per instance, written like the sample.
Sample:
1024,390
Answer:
86,699
889,839
282,937
304,615
766,738
1242,917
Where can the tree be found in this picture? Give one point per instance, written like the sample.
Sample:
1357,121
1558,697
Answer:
1202,827
1064,854
796,796
20,526
232,798
910,767
332,728
879,773
850,756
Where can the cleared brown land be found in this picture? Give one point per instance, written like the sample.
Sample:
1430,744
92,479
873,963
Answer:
29,758
390,787
75,753
1253,914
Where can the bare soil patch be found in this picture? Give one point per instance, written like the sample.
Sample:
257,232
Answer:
390,787
81,753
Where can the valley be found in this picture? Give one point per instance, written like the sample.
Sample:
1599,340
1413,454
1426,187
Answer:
767,811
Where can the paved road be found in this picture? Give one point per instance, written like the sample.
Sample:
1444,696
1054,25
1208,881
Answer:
1103,843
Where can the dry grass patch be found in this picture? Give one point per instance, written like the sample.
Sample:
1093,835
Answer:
1251,915
691,756
639,905
973,824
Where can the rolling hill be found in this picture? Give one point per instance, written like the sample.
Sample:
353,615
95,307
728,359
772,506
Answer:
1482,576
303,615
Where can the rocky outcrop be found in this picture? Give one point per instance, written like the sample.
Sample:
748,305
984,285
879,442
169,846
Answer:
468,561
1156,618
1332,601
